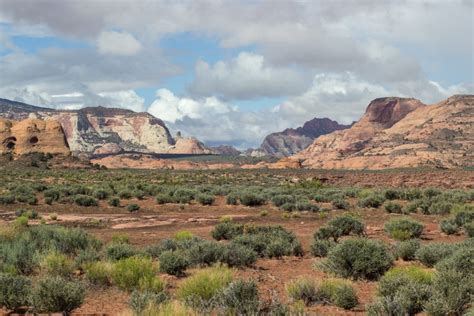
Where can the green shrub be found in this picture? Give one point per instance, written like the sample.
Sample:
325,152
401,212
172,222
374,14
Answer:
128,273
451,293
251,199
133,208
358,258
392,194
240,298
7,199
144,302
232,199
85,200
411,284
442,207
406,249
340,204
118,251
173,262
202,289
14,291
205,199
403,228
386,306
115,201
449,226
227,230
392,207
54,294
430,254
236,255
57,264
374,201
125,194
340,226
303,289
338,292
98,273
461,260
321,247
469,229
101,194
205,253
163,199
279,200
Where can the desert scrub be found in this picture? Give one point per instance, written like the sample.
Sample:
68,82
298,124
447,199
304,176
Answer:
410,284
338,292
57,264
201,290
358,258
403,228
128,273
392,207
119,250
227,230
251,199
373,200
449,226
85,200
98,273
340,226
204,253
451,293
133,208
236,255
55,294
205,199
303,289
147,303
115,201
407,249
173,262
240,297
15,291
340,204
321,247
430,254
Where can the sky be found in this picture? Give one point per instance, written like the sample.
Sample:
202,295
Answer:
231,72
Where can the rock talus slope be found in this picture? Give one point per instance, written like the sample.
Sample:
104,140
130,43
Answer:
400,133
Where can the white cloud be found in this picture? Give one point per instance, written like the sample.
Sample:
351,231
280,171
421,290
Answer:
171,108
247,76
127,99
118,43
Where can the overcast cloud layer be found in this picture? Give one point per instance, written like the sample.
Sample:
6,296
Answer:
322,58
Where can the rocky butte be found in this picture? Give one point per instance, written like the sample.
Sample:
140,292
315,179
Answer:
398,133
102,130
32,135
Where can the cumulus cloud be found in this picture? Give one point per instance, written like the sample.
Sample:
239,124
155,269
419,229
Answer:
172,108
342,97
247,76
118,43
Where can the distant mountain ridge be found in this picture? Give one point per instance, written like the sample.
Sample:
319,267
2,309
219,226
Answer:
291,141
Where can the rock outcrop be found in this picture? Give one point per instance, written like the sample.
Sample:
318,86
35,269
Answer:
32,136
292,141
400,133
101,130
225,150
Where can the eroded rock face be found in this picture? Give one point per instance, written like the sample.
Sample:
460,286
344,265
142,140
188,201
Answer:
292,141
32,136
95,129
225,150
400,133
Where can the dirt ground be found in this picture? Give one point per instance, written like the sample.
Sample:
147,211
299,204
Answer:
154,222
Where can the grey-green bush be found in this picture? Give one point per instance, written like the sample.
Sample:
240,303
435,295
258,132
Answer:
14,291
55,294
358,258
173,262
